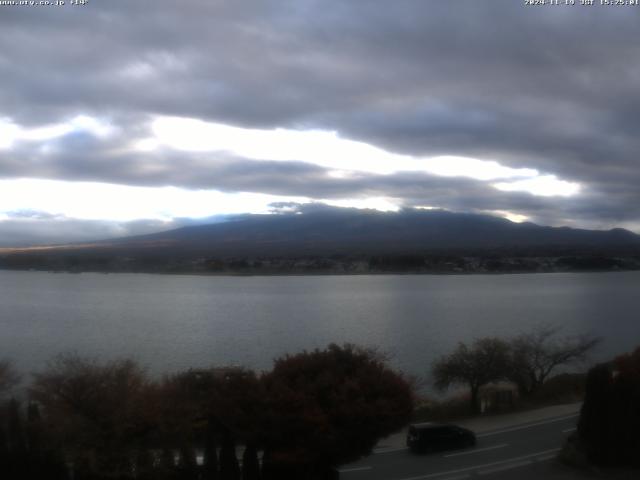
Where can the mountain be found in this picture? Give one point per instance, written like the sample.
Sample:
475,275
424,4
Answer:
334,240
335,231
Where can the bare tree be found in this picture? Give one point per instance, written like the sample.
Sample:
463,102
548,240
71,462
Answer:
537,354
98,411
486,360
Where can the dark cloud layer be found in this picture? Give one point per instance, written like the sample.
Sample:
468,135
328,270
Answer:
551,88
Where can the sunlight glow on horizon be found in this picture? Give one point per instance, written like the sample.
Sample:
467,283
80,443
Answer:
511,216
104,201
383,204
32,198
28,199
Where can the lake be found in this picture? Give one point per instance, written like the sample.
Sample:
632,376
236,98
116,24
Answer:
171,322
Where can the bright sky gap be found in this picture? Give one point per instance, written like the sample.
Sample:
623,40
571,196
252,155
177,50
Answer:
341,156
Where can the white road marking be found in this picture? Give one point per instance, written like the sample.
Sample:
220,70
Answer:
569,430
474,467
355,469
477,450
521,427
388,450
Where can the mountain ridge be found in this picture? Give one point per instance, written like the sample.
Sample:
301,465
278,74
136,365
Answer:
350,231
334,240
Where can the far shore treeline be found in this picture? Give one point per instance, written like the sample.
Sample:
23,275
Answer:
442,261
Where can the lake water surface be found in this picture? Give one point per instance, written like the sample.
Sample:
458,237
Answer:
173,322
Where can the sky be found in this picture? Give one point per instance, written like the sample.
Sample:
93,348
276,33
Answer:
122,117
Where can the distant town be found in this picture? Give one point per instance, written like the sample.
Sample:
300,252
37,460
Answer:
336,265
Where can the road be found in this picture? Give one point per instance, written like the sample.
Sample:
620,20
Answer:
497,455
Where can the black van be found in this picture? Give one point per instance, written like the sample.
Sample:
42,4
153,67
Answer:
429,437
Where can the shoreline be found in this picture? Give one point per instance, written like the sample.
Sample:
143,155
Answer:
312,274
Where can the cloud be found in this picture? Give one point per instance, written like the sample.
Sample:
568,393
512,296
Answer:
547,89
